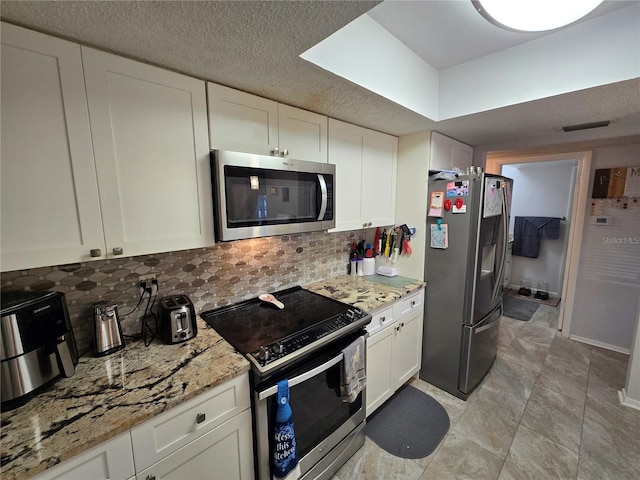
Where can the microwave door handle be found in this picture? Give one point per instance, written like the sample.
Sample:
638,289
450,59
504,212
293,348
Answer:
323,191
302,378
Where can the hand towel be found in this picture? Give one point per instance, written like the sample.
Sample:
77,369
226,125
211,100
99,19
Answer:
528,231
285,456
353,371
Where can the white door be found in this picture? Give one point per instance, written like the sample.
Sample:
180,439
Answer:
50,207
379,179
149,131
241,122
407,348
346,148
380,385
302,134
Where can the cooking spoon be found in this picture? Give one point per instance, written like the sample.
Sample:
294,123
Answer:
267,297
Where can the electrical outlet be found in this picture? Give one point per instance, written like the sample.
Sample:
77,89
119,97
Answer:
148,281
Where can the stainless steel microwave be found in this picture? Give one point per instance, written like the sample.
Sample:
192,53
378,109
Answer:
260,196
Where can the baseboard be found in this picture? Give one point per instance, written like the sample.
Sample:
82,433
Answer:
596,343
628,401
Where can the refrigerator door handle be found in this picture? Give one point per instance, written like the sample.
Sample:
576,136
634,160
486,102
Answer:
493,323
503,255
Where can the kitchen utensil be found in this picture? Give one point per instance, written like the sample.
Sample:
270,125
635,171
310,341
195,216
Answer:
177,320
108,337
267,297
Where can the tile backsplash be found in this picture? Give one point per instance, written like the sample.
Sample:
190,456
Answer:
220,275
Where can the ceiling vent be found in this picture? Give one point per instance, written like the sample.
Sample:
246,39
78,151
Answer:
586,126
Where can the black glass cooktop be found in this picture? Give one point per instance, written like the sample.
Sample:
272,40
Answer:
267,334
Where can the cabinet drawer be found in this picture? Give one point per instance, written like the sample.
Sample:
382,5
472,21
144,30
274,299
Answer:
169,431
408,304
111,459
380,320
224,453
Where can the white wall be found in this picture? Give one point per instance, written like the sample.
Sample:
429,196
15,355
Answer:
411,198
542,190
606,303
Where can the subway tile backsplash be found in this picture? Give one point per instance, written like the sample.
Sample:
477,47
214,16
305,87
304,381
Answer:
220,275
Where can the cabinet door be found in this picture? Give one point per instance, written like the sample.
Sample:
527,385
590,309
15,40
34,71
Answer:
241,122
149,130
172,430
379,179
50,208
302,133
346,148
110,460
447,153
407,348
462,156
224,453
380,385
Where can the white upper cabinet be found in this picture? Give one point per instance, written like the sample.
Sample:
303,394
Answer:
302,134
151,151
101,156
447,153
366,164
50,207
239,121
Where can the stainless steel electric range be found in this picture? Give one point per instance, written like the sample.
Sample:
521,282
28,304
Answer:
302,343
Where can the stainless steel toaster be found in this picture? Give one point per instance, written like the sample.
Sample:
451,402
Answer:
176,319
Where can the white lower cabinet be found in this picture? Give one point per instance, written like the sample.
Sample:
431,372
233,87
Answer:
207,437
224,453
111,460
394,349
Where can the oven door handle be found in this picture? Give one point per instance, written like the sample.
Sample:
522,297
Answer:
302,378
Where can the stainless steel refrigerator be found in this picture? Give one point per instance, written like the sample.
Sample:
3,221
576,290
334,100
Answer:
467,238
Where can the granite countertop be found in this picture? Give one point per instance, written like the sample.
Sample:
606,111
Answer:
109,395
370,293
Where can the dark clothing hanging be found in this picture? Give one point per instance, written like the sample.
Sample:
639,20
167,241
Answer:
528,231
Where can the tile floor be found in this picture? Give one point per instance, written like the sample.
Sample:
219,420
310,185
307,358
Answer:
548,409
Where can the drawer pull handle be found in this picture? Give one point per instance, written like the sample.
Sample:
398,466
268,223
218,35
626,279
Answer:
201,417
150,477
382,319
95,252
117,251
413,303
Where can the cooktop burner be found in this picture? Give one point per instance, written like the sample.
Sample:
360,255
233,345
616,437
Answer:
272,338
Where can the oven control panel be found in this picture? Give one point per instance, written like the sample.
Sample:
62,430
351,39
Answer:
278,350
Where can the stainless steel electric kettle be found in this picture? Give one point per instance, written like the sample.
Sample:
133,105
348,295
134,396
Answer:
108,337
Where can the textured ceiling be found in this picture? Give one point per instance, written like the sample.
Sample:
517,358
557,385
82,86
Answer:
255,46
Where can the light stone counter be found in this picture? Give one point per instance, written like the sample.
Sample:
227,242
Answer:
368,293
109,395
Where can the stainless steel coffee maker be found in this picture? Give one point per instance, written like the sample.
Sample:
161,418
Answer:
108,337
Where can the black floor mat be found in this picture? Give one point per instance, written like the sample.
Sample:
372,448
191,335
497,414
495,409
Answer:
518,308
410,425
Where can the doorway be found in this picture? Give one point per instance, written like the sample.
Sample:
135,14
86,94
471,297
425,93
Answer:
494,164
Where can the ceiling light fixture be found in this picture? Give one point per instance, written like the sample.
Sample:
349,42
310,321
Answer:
534,15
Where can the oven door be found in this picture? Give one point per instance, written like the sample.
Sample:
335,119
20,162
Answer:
321,420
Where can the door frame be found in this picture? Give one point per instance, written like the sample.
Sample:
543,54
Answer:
494,163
